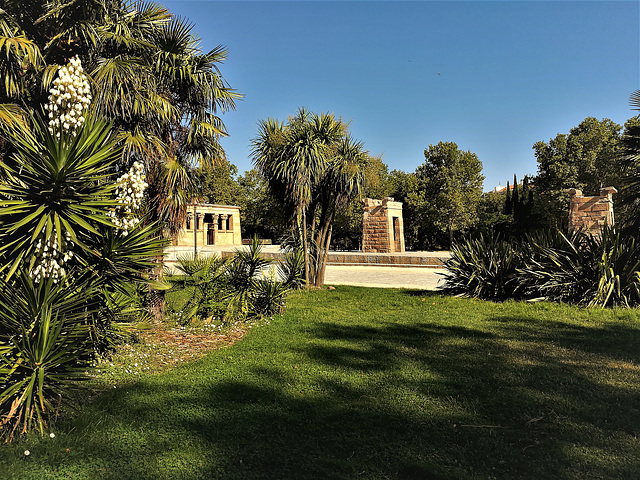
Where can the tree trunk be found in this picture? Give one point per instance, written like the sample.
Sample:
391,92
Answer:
323,264
325,241
305,246
450,237
155,298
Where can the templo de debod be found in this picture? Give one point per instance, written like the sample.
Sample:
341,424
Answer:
211,225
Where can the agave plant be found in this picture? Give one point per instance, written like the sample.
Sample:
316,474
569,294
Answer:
559,267
619,283
484,267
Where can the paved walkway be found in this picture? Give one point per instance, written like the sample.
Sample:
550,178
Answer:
422,278
416,270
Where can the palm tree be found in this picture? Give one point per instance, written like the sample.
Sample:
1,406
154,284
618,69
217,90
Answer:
342,181
630,161
312,165
18,57
149,77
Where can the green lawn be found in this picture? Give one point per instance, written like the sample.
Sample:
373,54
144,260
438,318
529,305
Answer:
376,384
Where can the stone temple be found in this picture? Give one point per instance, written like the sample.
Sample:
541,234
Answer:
211,225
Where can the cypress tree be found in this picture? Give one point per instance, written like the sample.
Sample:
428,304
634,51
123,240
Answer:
508,205
515,199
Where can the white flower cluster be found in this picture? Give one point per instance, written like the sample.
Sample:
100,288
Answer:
129,194
51,257
70,96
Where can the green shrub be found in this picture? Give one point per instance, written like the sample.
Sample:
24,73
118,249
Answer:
619,283
73,273
291,270
577,268
559,267
231,289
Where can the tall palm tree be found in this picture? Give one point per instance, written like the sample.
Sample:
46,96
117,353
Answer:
342,181
309,163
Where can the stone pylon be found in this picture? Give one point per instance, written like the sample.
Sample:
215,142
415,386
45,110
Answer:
591,213
382,228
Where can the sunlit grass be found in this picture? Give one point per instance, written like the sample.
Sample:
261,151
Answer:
370,383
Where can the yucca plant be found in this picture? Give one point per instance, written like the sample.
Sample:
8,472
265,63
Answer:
291,270
267,297
118,266
484,267
559,267
55,190
619,266
44,349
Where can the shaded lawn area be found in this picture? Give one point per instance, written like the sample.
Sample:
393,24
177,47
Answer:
376,384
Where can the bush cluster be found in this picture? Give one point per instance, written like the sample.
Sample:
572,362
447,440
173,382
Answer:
237,287
576,268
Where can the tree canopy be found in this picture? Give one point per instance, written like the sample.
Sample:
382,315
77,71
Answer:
148,75
314,167
449,188
587,158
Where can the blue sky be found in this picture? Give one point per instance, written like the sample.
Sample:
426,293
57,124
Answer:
493,76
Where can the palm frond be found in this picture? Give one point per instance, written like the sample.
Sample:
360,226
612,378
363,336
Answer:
634,100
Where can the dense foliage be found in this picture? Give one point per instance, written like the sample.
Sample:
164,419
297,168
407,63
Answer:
70,269
449,189
149,77
129,101
238,287
578,268
588,158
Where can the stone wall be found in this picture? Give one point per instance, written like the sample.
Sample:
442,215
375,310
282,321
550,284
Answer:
383,227
591,213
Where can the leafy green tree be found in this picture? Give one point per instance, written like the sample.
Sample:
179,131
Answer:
401,186
314,167
260,212
587,158
449,188
216,184
492,218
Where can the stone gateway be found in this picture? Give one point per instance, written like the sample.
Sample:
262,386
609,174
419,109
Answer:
591,213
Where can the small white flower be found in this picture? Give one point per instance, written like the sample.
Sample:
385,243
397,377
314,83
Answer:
27,452
52,435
